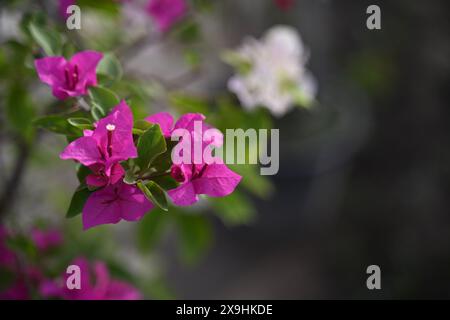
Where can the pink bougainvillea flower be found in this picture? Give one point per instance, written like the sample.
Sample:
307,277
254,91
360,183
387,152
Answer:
46,239
214,180
69,78
96,284
187,122
166,12
114,203
103,148
62,7
22,278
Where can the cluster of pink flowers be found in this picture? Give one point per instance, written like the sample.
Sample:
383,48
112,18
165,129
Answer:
111,143
95,284
69,78
215,180
30,280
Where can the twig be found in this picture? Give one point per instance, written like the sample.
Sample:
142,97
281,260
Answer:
12,184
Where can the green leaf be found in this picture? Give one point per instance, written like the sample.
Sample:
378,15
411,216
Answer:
19,109
81,123
235,209
187,31
137,131
166,182
252,181
108,7
163,162
79,198
15,58
104,98
195,236
22,244
38,18
150,229
150,144
57,124
130,177
82,173
237,61
97,112
298,94
141,124
110,67
154,193
7,279
49,40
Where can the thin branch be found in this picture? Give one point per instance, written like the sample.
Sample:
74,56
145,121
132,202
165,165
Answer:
12,184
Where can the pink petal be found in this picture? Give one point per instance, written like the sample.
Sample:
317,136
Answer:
18,291
99,179
113,203
122,143
184,195
51,71
7,257
86,292
87,62
102,278
62,8
45,239
133,203
101,207
166,12
119,290
217,180
96,180
49,289
165,121
186,121
181,172
61,93
88,132
84,150
117,172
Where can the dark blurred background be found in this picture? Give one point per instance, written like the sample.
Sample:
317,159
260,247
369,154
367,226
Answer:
364,178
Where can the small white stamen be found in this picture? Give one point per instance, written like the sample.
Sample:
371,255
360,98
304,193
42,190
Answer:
110,127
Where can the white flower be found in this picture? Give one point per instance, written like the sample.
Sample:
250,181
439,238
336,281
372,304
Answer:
271,72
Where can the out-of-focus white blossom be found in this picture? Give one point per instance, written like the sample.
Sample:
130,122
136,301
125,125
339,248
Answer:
271,71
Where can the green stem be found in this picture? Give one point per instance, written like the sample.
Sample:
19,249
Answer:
152,176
